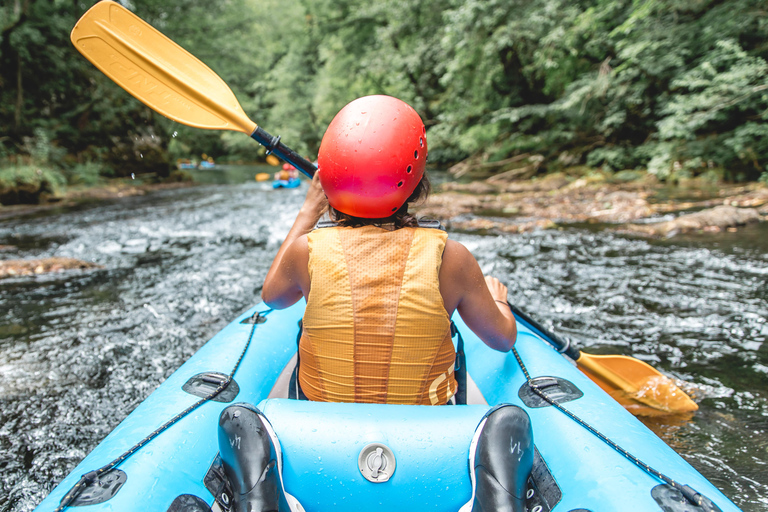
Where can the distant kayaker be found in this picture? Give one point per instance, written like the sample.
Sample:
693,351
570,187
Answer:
288,172
383,289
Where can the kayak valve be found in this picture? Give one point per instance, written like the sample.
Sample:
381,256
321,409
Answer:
376,463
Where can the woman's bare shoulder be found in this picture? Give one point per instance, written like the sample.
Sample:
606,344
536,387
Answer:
456,255
458,265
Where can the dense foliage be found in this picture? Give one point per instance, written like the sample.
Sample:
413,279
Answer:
677,87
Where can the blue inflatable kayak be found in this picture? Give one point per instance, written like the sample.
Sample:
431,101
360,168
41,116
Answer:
291,183
178,467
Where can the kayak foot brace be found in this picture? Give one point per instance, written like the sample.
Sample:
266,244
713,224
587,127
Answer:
249,460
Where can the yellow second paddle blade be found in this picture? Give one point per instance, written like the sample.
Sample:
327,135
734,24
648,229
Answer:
157,71
630,380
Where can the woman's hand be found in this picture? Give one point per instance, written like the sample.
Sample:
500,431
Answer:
315,204
281,286
497,289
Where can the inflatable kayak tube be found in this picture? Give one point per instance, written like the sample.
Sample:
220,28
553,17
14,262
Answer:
321,445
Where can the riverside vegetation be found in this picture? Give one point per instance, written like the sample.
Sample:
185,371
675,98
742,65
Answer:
662,91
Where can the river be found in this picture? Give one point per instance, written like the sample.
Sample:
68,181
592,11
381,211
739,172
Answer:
79,350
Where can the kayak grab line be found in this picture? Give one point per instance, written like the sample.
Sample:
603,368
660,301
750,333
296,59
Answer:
693,496
91,476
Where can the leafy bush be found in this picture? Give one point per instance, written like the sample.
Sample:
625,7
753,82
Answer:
29,184
613,158
88,173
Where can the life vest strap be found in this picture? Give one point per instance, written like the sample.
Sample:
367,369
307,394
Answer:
423,223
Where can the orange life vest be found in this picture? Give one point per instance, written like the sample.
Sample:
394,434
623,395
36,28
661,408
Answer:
375,326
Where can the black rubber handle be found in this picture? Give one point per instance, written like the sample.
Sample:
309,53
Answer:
562,346
283,152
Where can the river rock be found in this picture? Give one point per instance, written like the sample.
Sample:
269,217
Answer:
484,224
712,219
473,187
11,268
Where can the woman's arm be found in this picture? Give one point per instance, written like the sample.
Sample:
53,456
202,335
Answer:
288,277
480,300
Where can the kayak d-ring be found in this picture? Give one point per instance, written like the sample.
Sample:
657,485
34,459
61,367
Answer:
258,317
557,389
203,384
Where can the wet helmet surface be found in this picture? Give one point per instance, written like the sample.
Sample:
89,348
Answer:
372,156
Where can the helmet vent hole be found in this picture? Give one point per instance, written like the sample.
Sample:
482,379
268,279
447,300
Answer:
409,169
394,209
416,154
399,183
421,141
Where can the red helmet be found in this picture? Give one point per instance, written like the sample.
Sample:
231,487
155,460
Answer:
372,156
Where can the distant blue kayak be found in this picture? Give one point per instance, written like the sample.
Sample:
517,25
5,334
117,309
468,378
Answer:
291,183
321,443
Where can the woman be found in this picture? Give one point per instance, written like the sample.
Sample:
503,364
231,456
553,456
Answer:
380,290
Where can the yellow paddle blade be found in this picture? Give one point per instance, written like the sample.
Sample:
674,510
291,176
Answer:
157,71
631,381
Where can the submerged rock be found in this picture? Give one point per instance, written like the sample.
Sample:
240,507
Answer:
11,268
713,219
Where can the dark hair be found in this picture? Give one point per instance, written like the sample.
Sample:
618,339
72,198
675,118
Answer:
400,219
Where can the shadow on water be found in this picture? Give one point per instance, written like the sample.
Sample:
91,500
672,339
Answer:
79,350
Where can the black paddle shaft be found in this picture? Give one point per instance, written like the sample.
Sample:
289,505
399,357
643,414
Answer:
562,346
280,150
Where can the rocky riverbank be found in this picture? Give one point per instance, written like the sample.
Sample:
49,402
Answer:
114,190
642,207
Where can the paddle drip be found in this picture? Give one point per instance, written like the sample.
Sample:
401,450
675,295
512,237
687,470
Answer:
91,476
693,496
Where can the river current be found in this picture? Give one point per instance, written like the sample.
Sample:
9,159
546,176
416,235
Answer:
79,350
